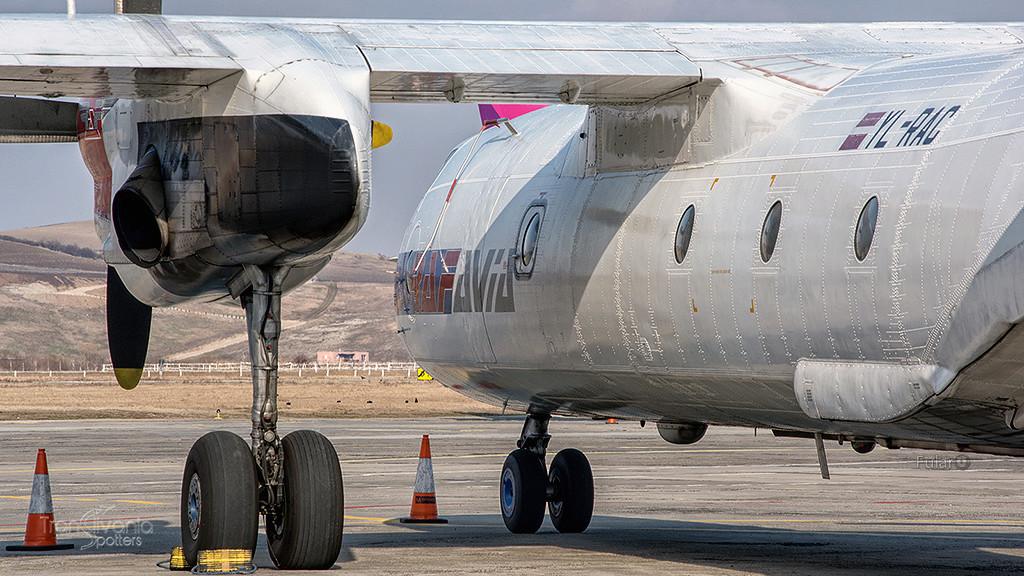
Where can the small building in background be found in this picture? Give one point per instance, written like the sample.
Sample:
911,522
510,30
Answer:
327,357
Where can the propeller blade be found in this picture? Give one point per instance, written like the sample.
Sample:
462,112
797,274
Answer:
128,322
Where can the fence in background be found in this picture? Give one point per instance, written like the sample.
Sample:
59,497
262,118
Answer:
339,370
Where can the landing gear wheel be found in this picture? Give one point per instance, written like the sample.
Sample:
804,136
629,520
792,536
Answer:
523,492
219,498
305,532
572,487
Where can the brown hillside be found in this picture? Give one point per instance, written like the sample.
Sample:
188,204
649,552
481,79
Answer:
81,234
52,308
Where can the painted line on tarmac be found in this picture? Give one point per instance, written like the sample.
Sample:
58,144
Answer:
100,469
602,452
872,523
365,518
735,502
408,458
55,499
88,500
65,527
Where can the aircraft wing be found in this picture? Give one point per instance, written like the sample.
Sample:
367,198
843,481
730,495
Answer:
103,56
169,58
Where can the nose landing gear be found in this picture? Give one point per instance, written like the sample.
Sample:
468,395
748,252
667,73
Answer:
568,488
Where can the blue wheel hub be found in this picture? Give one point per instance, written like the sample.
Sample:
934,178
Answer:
508,492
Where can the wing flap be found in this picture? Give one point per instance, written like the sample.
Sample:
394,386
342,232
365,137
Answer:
89,81
27,120
520,62
425,74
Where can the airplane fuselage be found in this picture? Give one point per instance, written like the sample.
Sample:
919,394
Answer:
605,319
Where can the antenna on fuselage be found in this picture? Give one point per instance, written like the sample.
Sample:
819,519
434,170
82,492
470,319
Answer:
487,124
505,121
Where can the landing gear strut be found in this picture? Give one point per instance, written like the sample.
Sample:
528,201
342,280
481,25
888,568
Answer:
262,307
295,481
568,488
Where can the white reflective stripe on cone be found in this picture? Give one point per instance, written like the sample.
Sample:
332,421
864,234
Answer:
424,477
41,502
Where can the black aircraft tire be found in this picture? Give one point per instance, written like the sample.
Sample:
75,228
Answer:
306,533
572,482
522,492
219,500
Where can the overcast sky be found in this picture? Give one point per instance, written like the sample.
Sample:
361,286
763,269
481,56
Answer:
48,184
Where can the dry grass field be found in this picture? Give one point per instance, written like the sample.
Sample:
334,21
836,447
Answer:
72,395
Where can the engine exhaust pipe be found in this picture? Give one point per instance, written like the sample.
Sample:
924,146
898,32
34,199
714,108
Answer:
139,213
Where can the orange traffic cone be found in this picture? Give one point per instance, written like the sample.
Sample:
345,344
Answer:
40,532
424,502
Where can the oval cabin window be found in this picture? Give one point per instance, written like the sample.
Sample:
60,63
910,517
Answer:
770,231
865,229
527,242
683,234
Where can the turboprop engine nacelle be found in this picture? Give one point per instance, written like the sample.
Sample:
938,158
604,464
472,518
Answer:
211,194
265,171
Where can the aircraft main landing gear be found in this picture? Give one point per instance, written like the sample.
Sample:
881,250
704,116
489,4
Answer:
218,496
568,489
295,482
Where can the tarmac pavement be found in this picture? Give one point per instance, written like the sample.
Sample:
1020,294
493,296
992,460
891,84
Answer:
734,503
